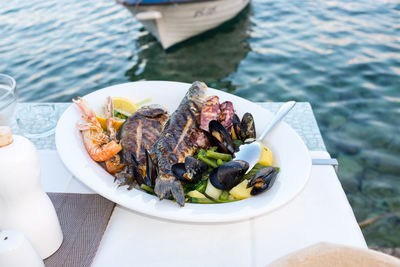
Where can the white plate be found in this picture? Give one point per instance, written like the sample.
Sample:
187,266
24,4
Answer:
290,154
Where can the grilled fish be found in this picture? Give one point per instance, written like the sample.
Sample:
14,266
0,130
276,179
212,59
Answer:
139,133
175,143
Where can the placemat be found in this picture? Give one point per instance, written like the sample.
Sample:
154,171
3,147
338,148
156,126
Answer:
83,219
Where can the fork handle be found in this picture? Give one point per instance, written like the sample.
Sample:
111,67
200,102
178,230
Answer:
283,110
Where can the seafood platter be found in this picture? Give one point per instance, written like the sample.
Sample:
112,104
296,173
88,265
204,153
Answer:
165,149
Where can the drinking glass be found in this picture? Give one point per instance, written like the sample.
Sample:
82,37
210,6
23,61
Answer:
8,99
37,120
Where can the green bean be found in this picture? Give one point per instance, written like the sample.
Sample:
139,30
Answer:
226,201
237,143
219,200
210,162
120,115
147,188
224,195
217,155
187,187
255,169
202,152
220,162
200,200
201,186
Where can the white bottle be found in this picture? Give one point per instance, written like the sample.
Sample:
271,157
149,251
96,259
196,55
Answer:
23,203
16,250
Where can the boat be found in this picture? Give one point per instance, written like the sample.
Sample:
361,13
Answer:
174,21
214,55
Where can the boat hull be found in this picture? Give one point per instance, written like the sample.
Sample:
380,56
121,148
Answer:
174,23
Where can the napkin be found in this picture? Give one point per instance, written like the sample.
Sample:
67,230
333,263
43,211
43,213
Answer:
83,219
328,254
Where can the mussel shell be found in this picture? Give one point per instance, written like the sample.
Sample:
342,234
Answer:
263,180
135,171
179,170
236,125
195,168
229,174
151,170
225,142
191,171
247,127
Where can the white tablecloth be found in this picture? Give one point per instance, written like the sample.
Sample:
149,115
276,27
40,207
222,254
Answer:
320,213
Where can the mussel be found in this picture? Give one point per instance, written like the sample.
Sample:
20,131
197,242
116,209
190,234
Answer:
135,171
236,125
248,128
220,137
263,180
191,171
151,170
245,129
229,174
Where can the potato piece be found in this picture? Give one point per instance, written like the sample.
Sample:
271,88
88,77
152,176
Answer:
212,191
196,194
266,157
240,191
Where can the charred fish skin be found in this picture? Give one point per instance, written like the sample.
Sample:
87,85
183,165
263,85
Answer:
175,142
139,133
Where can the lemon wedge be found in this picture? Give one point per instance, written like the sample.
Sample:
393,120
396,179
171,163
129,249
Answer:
101,118
121,105
124,105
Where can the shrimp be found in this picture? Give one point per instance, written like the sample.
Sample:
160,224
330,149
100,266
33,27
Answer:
97,143
113,165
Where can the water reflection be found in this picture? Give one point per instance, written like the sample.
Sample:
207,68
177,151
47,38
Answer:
209,57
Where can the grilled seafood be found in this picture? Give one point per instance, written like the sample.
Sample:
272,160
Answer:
226,118
109,112
191,171
97,143
200,139
229,174
113,165
162,153
175,143
138,134
220,137
263,180
209,112
244,129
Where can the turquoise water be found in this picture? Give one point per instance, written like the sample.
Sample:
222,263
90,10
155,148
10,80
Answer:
343,58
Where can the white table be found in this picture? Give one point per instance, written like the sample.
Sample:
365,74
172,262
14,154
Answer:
320,213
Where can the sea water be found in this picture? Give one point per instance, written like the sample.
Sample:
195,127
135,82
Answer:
8,102
341,56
